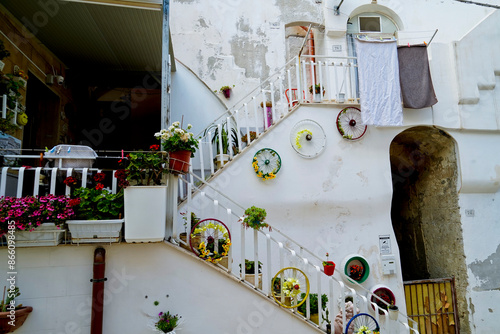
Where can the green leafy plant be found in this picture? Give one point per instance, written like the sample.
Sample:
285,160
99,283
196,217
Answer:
328,263
250,267
194,220
313,303
147,167
9,299
10,87
167,322
4,53
98,204
174,138
95,203
224,88
216,139
254,218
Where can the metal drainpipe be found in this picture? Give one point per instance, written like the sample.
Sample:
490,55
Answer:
98,291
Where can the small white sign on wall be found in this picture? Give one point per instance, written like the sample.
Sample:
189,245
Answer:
385,244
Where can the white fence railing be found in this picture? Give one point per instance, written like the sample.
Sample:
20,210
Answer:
34,181
266,105
275,251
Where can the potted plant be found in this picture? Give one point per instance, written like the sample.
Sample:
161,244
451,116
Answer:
180,144
250,273
254,218
146,199
37,221
386,297
355,269
313,306
326,318
20,76
226,90
268,113
318,89
167,322
98,212
12,316
328,266
4,53
183,235
393,312
222,140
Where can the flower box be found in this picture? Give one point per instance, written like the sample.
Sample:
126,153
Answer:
92,231
44,235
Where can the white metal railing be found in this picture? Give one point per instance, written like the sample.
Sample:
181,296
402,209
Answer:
270,102
276,251
43,180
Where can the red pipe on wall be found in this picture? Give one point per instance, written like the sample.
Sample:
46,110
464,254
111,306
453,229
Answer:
98,291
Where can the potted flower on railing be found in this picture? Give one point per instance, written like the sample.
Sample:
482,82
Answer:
254,218
328,266
183,236
313,305
36,221
180,144
250,273
98,212
12,316
146,197
318,89
222,140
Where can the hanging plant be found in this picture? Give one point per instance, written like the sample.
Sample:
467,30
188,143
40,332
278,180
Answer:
254,218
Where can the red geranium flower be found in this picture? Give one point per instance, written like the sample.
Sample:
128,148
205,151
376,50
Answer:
99,177
154,147
70,181
99,186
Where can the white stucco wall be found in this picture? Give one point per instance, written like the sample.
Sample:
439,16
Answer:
55,281
338,202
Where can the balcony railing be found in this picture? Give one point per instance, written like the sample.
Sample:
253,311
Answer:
268,104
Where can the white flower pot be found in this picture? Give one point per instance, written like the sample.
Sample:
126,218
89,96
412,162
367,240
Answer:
44,235
91,231
393,314
145,213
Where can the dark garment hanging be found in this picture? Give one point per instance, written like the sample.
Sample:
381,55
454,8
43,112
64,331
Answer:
415,77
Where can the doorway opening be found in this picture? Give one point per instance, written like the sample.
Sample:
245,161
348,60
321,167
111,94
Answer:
425,212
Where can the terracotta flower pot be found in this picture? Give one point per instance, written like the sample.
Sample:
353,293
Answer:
20,316
179,161
330,268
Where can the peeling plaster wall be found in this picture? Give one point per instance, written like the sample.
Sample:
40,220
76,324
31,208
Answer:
480,211
235,42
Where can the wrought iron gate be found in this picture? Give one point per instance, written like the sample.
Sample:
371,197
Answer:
432,304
